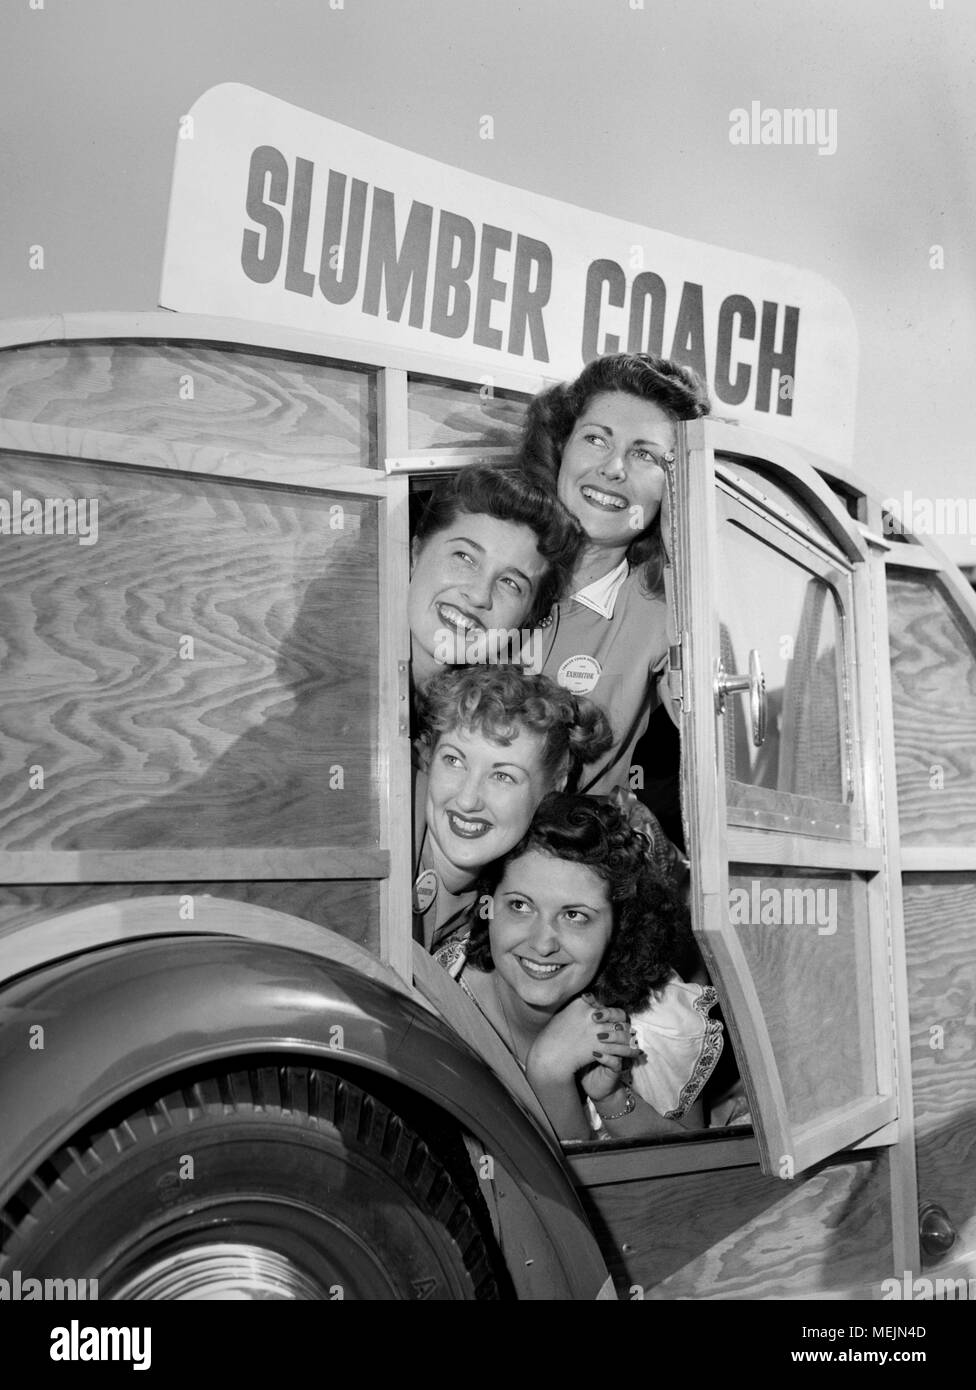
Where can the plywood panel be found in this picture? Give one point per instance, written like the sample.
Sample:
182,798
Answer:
195,393
805,937
933,687
347,907
238,745
940,931
732,1233
447,416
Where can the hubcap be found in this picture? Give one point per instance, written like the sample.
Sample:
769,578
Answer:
224,1271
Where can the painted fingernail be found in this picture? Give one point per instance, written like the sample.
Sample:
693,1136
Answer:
598,1055
602,1037
597,1016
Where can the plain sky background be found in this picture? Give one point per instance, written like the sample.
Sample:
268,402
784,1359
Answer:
619,109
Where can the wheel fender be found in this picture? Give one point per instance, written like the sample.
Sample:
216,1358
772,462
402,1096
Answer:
80,1034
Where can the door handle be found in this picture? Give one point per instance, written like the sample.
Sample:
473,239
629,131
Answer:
755,682
936,1232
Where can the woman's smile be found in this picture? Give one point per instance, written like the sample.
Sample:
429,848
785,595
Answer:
536,970
604,501
469,828
459,619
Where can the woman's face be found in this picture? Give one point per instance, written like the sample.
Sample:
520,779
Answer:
551,924
610,476
482,795
470,585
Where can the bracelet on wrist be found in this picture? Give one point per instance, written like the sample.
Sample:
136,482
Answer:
630,1105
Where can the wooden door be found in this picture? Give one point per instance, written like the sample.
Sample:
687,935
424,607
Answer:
789,890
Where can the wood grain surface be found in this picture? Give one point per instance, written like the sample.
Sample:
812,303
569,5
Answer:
940,932
447,416
933,687
733,1233
814,989
234,747
348,907
245,398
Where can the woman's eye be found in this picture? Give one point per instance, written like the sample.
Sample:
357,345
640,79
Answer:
646,456
450,759
595,439
464,557
504,777
513,584
517,905
575,918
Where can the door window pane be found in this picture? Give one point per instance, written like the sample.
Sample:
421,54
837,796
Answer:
790,615
196,393
804,934
455,415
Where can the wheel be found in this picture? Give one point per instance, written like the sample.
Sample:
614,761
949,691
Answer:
276,1183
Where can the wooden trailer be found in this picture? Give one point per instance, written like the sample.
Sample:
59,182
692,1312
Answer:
212,1013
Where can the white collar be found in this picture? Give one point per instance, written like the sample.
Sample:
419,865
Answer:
601,595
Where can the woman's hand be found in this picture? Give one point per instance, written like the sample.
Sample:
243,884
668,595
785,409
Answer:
582,1034
603,1078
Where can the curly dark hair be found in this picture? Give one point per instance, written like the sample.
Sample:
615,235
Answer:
508,494
650,923
552,415
502,701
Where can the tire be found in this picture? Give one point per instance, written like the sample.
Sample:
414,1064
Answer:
282,1182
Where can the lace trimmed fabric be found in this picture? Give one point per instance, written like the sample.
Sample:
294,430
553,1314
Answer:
681,1042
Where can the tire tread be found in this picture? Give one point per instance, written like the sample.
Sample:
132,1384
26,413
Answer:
300,1095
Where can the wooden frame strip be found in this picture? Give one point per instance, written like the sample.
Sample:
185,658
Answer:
772,847
153,451
212,330
393,751
911,557
937,859
903,1167
701,1152
248,863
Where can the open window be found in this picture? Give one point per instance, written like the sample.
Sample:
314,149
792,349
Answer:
779,783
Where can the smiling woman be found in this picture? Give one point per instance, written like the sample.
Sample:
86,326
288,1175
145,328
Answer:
491,553
571,963
602,442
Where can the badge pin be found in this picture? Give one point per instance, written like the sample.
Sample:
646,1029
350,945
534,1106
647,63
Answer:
424,891
579,674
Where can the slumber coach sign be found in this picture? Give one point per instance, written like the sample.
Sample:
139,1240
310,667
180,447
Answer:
286,217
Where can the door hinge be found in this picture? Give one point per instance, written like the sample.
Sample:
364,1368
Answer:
403,697
676,675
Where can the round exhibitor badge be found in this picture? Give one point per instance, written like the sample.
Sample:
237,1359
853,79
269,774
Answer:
424,891
579,674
